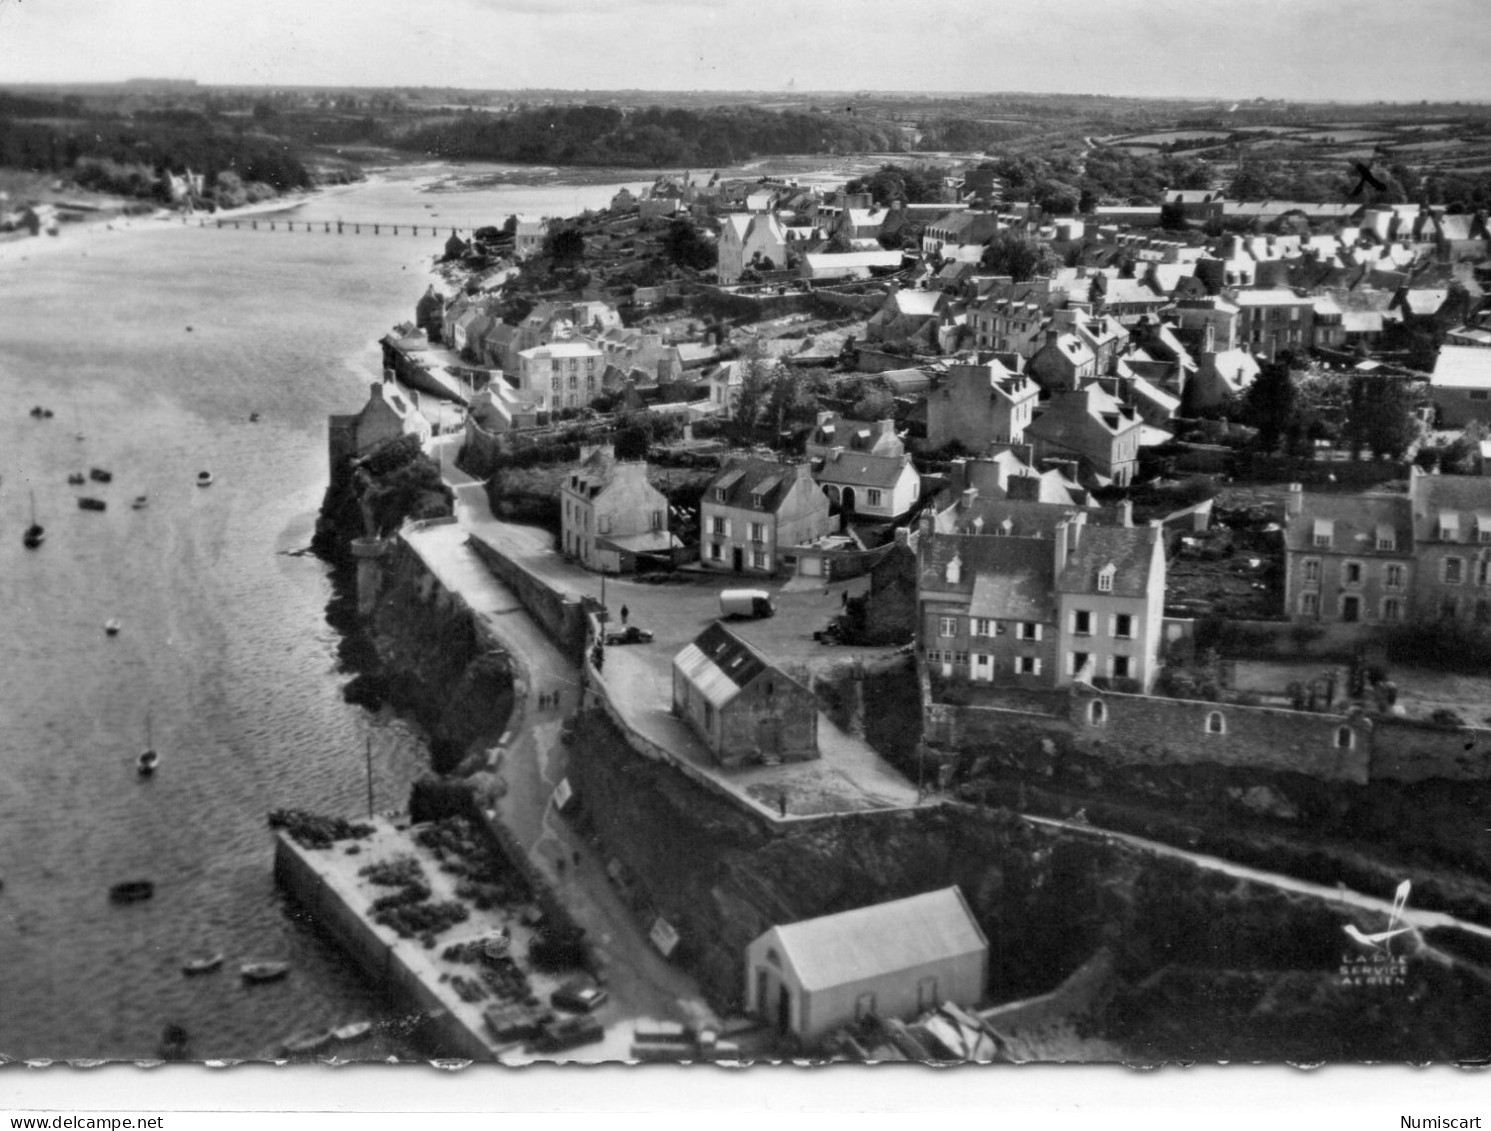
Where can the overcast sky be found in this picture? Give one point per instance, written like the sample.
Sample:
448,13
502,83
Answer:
1343,49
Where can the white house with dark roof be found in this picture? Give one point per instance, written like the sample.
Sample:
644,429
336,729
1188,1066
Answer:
980,404
1460,386
744,709
893,960
751,239
873,437
755,512
1094,429
561,374
866,485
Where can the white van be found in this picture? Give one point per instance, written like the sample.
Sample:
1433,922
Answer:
745,603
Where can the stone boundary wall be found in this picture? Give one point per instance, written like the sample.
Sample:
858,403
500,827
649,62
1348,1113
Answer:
1410,750
1149,730
560,614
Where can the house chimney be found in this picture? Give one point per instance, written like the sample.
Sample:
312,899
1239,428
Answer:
927,525
388,376
1062,544
1126,513
1296,504
966,497
903,536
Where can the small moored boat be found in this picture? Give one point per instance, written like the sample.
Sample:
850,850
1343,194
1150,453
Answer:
354,1031
132,891
203,964
99,475
35,534
204,479
259,972
307,1041
253,418
173,1042
146,763
140,503
77,479
111,626
87,503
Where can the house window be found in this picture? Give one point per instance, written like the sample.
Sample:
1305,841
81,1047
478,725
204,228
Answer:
602,524
1076,661
1483,572
719,494
1483,611
1309,604
557,384
1029,630
657,520
961,659
758,532
717,525
1123,626
1028,665
760,559
1353,573
1105,580
1392,609
1479,394
983,627
1393,576
1454,570
1449,608
1387,541
1122,668
716,552
1097,713
708,716
1082,622
1216,723
1312,570
1345,738
872,497
947,626
983,662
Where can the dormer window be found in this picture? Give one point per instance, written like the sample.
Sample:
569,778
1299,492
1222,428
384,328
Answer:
1105,578
1449,526
1387,537
1483,528
1324,532
719,494
954,570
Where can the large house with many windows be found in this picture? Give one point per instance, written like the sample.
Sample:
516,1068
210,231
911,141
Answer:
755,512
610,514
1080,603
1386,558
561,374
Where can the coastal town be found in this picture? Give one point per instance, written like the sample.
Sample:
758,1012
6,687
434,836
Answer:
874,628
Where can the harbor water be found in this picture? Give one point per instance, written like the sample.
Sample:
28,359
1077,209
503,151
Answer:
153,345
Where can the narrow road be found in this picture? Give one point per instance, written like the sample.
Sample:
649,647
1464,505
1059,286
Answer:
533,763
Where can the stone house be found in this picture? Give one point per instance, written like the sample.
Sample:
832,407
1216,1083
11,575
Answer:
1089,426
757,240
890,960
754,512
610,514
886,613
871,437
1272,320
746,711
387,415
868,486
978,405
921,318
1451,517
1460,387
1349,559
1063,363
529,236
565,374
1083,602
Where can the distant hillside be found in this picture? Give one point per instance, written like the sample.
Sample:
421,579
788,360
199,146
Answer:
599,135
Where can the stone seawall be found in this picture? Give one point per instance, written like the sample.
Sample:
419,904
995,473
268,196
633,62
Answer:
561,615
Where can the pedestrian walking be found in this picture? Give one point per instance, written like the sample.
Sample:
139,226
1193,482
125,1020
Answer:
625,612
782,804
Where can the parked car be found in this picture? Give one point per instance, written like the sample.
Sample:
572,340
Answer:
578,997
631,634
568,1033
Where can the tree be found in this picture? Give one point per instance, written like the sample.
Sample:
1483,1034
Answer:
1269,404
685,247
1381,416
564,245
1019,256
758,373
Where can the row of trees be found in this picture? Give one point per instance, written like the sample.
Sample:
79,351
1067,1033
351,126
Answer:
647,138
1293,407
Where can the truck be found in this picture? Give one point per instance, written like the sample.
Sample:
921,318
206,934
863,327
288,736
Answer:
745,603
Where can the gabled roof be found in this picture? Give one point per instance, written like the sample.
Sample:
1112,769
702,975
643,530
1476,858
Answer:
752,484
1462,367
719,664
1011,577
861,469
1460,502
1129,549
1353,523
593,475
885,938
